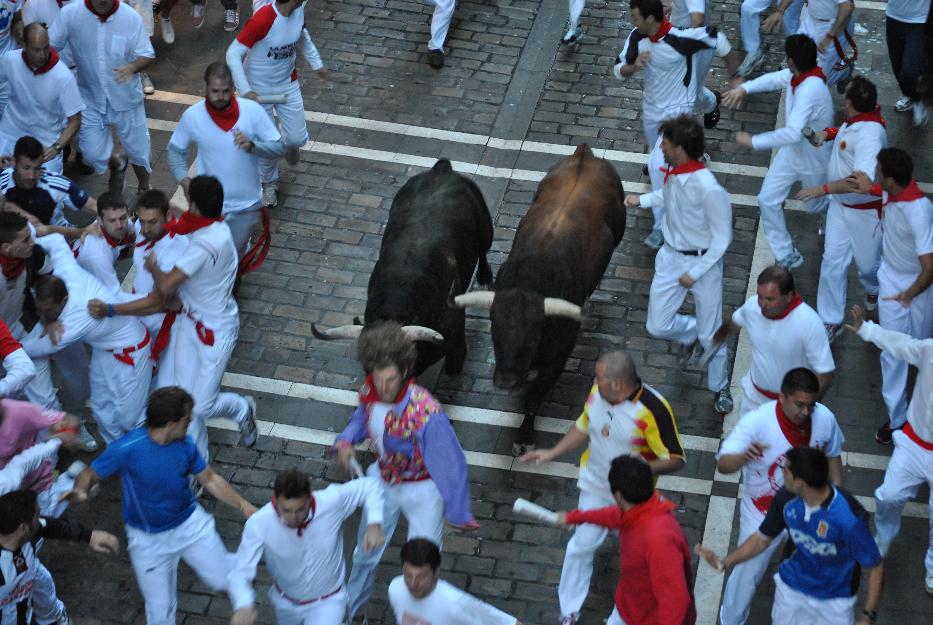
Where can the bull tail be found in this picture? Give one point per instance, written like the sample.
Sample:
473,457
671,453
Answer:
442,166
583,151
483,272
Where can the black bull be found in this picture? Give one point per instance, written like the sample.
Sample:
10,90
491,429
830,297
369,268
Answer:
561,250
439,230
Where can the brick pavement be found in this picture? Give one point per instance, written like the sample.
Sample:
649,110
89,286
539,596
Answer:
326,235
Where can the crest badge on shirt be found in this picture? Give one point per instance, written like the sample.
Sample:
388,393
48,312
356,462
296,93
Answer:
605,431
822,529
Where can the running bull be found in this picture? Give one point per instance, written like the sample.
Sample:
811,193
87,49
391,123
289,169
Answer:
561,250
439,230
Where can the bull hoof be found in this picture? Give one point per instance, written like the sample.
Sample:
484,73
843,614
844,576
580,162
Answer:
520,449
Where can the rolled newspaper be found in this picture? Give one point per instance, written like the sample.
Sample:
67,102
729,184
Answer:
534,511
355,468
272,98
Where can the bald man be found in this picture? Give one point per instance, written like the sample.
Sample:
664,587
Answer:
44,98
622,416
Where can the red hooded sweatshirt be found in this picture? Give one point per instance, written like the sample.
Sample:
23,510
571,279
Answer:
655,564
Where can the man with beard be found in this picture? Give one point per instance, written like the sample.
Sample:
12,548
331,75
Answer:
97,253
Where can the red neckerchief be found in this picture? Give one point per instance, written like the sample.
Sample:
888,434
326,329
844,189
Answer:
653,506
49,63
663,29
102,16
794,302
368,394
907,194
871,116
301,528
59,3
148,245
189,222
685,168
12,267
796,80
113,242
797,435
226,118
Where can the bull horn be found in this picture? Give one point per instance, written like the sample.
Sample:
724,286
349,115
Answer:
340,332
557,307
482,299
422,333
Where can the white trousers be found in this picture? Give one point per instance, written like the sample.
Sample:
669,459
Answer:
750,21
915,321
656,176
440,23
705,99
96,139
144,9
329,611
791,606
73,368
666,297
828,59
575,9
423,507
241,224
199,369
155,560
292,125
578,558
910,466
786,169
745,577
614,618
850,234
119,391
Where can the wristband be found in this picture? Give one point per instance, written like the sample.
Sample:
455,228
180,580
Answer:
825,189
871,614
110,310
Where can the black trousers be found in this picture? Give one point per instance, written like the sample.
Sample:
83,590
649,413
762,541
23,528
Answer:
906,50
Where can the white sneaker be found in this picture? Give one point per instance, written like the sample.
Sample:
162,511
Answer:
87,441
794,260
168,31
920,113
249,432
751,61
270,195
903,105
148,87
75,469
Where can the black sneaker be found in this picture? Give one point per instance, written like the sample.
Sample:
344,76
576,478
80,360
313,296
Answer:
885,433
712,118
436,58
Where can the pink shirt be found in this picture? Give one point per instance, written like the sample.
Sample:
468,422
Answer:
20,424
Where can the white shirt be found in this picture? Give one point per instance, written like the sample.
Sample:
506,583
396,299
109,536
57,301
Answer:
446,605
779,345
210,262
918,353
856,147
98,48
270,42
681,10
308,566
25,462
763,477
908,11
109,333
907,232
237,170
18,370
697,216
97,256
809,104
668,88
376,424
822,10
40,103
7,9
168,250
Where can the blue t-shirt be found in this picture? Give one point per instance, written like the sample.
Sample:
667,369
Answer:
831,543
155,479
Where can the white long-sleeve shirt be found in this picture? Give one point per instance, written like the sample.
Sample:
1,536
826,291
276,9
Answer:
308,565
25,462
697,216
809,104
918,353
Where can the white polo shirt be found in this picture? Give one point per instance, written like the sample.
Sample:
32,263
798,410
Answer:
779,345
856,147
210,262
98,48
40,101
908,11
907,232
218,155
167,249
763,477
446,605
97,256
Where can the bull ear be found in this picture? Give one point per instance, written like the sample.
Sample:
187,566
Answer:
557,307
482,299
340,332
422,333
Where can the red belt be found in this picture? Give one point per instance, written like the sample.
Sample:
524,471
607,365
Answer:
309,601
767,394
909,431
124,356
873,205
204,333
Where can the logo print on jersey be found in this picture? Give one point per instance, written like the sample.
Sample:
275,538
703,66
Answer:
805,541
281,52
822,528
6,16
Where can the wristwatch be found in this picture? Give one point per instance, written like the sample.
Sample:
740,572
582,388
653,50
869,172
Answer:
58,147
